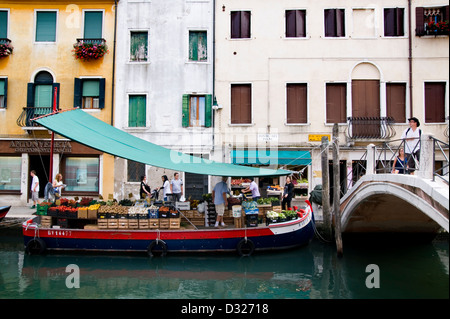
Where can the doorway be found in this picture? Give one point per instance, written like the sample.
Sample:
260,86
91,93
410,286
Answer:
41,164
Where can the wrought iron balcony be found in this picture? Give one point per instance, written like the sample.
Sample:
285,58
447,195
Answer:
370,128
5,41
91,41
29,113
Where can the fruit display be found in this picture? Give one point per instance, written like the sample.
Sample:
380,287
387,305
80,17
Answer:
240,181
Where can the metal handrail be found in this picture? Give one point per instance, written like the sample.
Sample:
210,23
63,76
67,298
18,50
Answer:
28,113
444,170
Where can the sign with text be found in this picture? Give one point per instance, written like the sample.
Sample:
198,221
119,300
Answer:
40,146
318,137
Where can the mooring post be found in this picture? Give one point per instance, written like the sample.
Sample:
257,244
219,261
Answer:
325,187
336,192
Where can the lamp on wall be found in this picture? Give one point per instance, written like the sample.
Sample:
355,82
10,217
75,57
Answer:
216,106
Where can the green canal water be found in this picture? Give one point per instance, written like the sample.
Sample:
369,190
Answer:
402,270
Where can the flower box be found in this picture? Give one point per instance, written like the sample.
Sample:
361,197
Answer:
90,49
6,48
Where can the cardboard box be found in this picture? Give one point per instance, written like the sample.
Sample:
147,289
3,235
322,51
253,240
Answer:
92,214
82,213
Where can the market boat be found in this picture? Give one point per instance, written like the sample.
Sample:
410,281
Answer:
245,240
86,129
3,211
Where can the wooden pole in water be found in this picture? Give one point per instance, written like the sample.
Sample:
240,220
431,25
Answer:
336,192
325,187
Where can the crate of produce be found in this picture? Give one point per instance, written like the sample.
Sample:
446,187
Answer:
164,223
46,221
153,213
153,223
41,210
251,220
82,212
174,214
174,223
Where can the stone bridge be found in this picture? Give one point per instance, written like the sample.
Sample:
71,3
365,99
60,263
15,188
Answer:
393,203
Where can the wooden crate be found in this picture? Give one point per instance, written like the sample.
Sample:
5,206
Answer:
91,226
123,223
238,222
102,223
174,223
163,223
113,224
143,223
133,223
153,223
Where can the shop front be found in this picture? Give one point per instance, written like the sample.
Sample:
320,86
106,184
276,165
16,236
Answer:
79,165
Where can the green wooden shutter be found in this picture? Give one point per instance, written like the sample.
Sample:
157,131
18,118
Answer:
4,90
3,24
137,111
101,96
77,97
45,26
185,111
30,95
43,95
202,46
93,24
208,110
138,46
193,46
197,46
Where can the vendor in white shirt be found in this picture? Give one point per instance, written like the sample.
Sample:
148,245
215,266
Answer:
411,136
253,187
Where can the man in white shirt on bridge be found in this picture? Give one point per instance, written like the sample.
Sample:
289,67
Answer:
411,136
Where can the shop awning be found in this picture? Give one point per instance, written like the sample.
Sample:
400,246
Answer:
266,157
86,129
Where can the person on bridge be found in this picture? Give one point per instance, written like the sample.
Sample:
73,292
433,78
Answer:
411,136
400,166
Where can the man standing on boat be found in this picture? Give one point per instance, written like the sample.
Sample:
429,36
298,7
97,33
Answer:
219,195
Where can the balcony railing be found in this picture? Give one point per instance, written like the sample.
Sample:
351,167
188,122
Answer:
91,41
370,128
5,41
29,113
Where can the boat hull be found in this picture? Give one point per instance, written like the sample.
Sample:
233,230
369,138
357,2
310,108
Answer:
3,211
272,237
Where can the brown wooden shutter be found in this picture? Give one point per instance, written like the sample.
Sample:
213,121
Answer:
245,24
420,29
296,103
336,96
435,102
329,22
340,22
365,98
290,23
396,101
235,25
241,103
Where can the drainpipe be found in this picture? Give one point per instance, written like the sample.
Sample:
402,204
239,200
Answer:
114,63
214,74
410,59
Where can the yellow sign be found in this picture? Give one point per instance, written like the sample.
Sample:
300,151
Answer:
318,137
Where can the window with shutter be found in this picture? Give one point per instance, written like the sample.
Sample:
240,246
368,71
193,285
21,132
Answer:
3,24
93,25
435,102
334,22
197,46
45,26
137,111
240,24
296,103
139,46
3,92
394,22
241,104
295,23
396,101
336,102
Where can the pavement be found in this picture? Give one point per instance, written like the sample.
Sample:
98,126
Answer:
22,212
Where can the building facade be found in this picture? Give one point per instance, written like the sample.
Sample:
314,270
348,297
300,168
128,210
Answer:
49,66
164,87
286,71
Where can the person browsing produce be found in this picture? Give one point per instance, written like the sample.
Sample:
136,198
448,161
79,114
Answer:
219,195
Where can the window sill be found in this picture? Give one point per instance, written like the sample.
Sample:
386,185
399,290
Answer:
241,124
138,62
92,110
297,124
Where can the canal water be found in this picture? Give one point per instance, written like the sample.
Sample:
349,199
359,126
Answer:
387,270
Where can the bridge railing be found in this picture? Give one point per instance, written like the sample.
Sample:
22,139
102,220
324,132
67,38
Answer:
379,159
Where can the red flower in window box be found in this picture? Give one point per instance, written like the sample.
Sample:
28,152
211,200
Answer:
87,51
5,49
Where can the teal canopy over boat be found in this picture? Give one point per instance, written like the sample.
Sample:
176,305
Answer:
86,129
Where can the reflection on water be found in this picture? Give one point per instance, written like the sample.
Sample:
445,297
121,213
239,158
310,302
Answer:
311,272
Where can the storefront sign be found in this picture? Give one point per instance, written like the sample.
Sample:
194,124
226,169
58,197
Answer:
267,137
318,137
40,146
